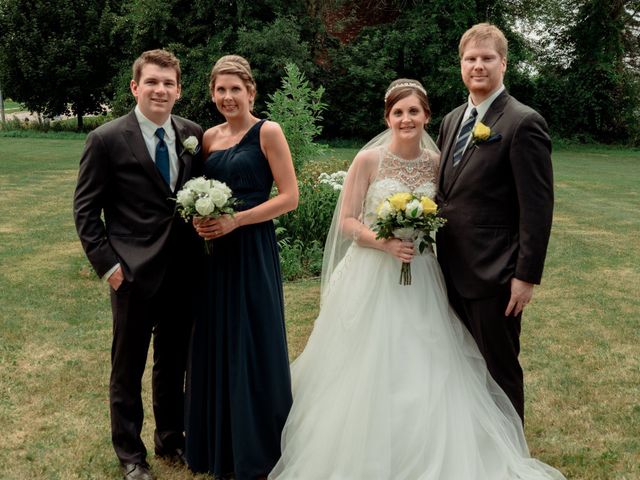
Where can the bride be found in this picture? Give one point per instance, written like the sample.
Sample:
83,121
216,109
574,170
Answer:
391,386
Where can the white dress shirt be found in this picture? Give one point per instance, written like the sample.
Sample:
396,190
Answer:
148,129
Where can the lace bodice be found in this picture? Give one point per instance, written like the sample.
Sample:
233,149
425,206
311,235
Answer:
395,174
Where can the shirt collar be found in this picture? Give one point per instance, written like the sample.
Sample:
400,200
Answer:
483,106
149,128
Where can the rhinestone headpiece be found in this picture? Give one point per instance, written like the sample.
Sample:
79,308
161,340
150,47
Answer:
404,84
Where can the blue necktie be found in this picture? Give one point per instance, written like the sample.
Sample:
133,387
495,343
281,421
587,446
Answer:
162,156
463,136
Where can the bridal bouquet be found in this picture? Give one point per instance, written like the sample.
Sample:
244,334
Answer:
408,217
205,198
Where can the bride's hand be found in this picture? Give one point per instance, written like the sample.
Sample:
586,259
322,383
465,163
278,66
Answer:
401,249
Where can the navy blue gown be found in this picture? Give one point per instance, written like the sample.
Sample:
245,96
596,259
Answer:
238,383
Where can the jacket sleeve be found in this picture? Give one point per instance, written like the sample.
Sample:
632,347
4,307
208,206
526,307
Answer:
89,202
530,158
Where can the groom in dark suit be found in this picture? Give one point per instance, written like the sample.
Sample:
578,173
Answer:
127,224
496,192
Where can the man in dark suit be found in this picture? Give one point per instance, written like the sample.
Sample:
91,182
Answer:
133,238
496,192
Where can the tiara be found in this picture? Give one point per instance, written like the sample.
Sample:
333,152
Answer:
404,84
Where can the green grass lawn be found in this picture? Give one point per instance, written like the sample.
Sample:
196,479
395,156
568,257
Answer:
11,107
581,335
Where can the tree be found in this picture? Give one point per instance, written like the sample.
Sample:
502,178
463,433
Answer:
269,33
58,57
588,84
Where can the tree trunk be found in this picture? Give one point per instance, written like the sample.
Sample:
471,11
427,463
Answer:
80,121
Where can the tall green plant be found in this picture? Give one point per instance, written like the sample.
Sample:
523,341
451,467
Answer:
297,107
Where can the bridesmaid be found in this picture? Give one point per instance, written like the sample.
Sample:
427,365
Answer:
238,383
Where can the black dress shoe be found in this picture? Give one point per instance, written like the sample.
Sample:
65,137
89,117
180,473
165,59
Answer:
173,456
136,471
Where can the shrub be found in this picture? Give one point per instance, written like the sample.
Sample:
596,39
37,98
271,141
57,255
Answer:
302,233
51,125
311,220
298,109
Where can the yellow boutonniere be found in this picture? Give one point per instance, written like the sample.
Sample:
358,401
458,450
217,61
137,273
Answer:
480,133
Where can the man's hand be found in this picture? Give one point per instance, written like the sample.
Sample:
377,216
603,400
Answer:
521,294
116,279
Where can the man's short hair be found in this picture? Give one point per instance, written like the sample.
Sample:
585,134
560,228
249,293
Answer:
481,33
158,57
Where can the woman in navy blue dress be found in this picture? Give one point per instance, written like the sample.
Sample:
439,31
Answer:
238,383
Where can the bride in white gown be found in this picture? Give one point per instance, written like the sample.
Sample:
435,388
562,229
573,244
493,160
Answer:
391,386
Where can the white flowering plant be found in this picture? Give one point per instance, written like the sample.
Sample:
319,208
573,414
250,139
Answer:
203,197
408,217
335,180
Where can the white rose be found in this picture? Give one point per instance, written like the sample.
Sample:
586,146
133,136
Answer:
221,186
199,185
413,208
218,197
385,210
185,198
204,206
190,144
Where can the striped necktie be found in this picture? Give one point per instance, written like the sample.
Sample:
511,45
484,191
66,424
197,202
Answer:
162,156
463,137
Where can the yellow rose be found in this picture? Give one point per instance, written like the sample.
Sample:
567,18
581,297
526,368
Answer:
481,132
400,200
428,205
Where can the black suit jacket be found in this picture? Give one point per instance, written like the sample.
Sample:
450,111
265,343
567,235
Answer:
119,180
498,201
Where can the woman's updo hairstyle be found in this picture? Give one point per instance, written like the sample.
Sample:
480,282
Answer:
233,65
402,88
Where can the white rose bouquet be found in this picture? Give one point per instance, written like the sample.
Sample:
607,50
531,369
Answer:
408,217
205,198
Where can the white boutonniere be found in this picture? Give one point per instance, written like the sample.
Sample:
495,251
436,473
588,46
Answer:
190,144
481,133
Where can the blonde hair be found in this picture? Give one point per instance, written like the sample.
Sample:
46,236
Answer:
234,65
161,58
483,32
402,88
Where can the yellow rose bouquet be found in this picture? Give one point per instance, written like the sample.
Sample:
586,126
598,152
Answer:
408,217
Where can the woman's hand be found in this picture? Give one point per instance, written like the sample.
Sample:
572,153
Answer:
209,228
401,249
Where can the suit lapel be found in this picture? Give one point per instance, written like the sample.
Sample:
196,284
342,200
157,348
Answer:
490,118
446,168
185,159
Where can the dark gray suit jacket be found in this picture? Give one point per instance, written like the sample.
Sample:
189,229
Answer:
498,201
119,180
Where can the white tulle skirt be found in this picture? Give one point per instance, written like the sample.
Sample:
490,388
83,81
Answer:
391,386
